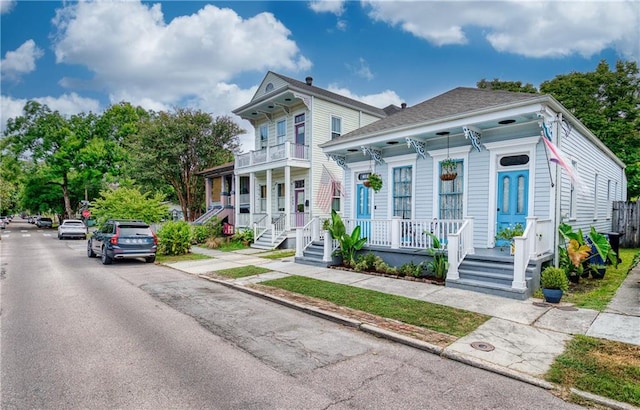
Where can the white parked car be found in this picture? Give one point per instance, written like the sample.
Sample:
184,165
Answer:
72,228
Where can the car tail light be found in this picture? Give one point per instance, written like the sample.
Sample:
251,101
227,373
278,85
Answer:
155,238
114,238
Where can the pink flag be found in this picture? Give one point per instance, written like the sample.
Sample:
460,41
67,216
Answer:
555,156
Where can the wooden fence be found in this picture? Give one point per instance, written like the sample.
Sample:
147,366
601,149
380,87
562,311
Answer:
626,220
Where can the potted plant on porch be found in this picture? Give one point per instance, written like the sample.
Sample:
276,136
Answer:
508,233
374,182
448,169
554,283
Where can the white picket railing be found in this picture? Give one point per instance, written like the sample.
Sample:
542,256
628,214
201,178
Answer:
260,226
459,245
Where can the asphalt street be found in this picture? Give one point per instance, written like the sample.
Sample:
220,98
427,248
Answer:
77,334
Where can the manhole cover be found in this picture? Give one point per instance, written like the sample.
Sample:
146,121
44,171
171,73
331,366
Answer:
483,346
567,308
541,304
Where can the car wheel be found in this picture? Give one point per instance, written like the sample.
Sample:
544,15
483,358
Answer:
59,237
106,260
150,259
90,252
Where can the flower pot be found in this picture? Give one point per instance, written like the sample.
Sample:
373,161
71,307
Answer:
366,183
512,248
574,278
448,177
598,273
552,295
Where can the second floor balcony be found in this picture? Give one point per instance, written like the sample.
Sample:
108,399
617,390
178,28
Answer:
276,155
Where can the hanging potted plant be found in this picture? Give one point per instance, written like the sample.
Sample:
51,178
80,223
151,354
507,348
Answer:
374,182
448,168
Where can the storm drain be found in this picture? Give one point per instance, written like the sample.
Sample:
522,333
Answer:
483,346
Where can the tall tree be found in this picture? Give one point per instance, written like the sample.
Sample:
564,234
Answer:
174,146
608,103
63,148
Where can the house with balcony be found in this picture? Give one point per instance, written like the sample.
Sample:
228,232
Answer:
464,166
289,180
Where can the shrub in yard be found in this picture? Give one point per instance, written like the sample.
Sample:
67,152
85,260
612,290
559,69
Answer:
174,238
243,235
210,229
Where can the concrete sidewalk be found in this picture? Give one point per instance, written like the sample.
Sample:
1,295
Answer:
521,339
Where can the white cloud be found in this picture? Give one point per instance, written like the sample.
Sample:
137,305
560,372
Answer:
21,61
362,69
529,28
379,100
133,53
6,6
327,6
67,104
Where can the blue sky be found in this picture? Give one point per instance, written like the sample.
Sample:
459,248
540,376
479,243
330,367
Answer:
84,56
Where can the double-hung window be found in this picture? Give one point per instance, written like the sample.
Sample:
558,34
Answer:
451,195
402,191
336,127
264,135
281,131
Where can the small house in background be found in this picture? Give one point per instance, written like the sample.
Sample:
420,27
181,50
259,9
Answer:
469,165
289,180
220,198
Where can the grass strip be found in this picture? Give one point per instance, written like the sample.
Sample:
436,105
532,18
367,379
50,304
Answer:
279,255
241,272
603,367
596,294
444,319
181,258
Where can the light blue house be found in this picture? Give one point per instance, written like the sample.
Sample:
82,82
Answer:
506,174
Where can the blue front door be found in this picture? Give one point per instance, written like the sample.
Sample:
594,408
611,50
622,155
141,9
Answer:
363,209
513,188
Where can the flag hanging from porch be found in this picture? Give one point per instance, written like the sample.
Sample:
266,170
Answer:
329,188
556,156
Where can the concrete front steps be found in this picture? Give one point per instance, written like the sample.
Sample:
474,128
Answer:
264,241
313,255
493,275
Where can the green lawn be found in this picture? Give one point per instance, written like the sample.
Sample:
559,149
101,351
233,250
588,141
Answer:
279,255
444,319
180,258
235,273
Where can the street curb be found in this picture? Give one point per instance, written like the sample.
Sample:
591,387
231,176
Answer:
428,347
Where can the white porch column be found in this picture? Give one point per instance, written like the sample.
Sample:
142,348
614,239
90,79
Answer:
236,198
453,255
207,193
520,259
287,196
299,239
327,247
395,232
533,238
252,196
269,196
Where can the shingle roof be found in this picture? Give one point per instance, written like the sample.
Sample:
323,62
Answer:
332,96
454,102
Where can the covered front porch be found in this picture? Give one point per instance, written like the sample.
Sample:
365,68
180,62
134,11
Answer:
489,270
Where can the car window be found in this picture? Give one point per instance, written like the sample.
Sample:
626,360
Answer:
45,219
134,230
107,228
73,223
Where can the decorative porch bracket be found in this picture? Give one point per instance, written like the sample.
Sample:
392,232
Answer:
305,99
284,107
340,160
474,135
266,114
375,154
545,124
419,146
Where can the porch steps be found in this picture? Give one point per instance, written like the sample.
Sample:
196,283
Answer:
313,255
493,275
264,241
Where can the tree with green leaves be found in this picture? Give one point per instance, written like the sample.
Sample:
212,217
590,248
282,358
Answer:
608,103
515,86
173,146
129,203
65,152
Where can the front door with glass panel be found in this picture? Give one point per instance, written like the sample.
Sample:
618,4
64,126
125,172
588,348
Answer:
363,209
513,188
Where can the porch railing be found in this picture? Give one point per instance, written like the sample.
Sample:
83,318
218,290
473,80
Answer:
306,235
460,244
278,227
536,240
260,226
288,150
299,219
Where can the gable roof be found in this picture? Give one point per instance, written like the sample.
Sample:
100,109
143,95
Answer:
455,102
303,87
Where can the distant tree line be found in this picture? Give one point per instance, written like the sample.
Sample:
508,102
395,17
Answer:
51,162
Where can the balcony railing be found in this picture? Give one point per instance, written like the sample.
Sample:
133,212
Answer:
280,152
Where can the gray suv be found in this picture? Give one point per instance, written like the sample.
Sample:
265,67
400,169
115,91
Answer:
123,239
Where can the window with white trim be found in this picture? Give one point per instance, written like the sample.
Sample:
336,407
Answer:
336,127
451,195
280,196
263,198
609,204
595,197
264,135
335,198
402,182
281,131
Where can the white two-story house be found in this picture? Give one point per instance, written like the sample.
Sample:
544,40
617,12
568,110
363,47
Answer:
290,179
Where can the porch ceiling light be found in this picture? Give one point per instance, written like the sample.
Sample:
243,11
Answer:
504,122
443,133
